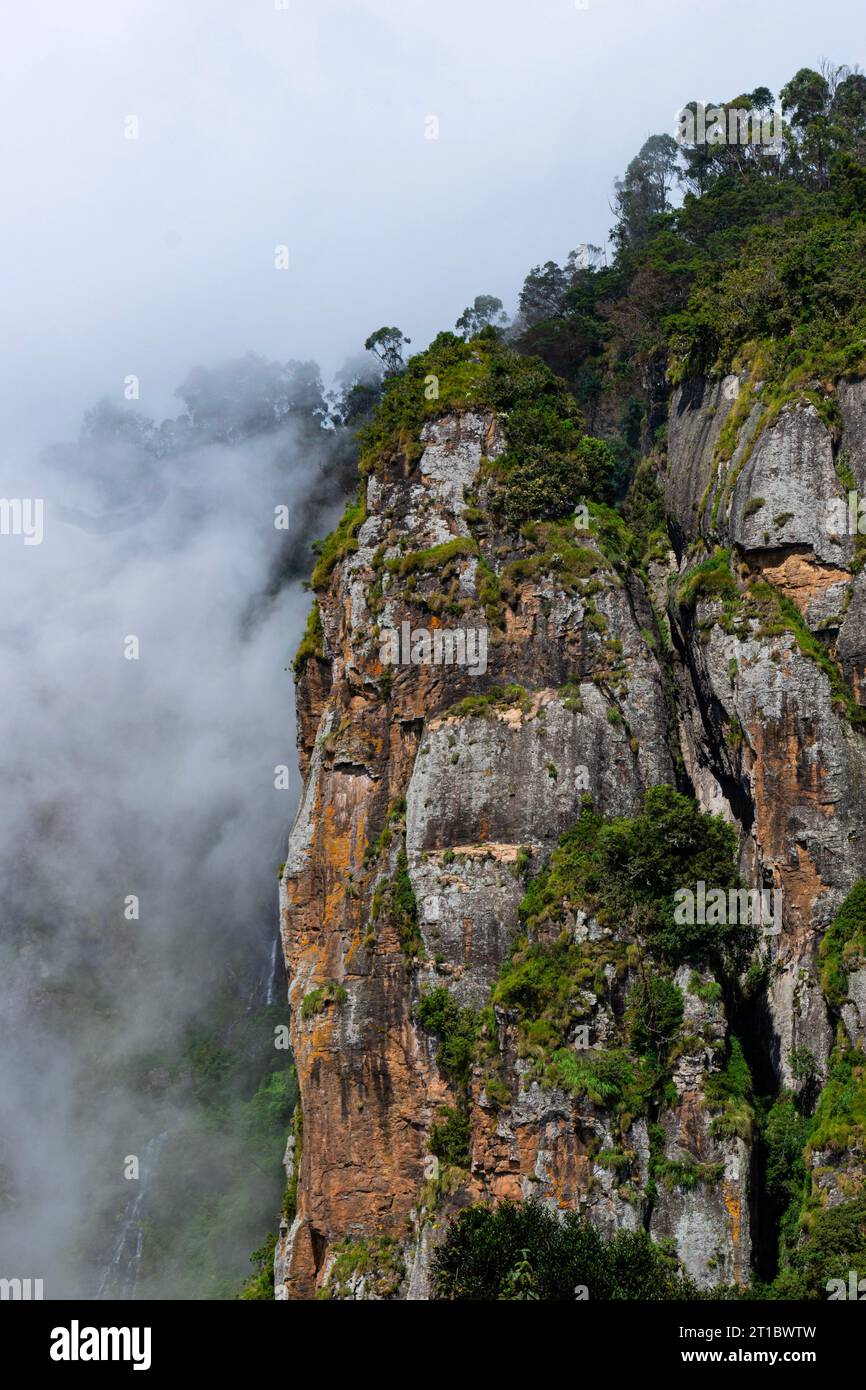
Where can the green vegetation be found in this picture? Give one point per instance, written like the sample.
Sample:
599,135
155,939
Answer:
835,1244
260,1285
434,558
316,1001
711,579
290,1197
728,1094
341,542
456,1030
370,1267
758,609
520,1249
655,1014
843,948
840,1117
312,642
449,1137
483,706
398,900
763,261
627,870
785,1134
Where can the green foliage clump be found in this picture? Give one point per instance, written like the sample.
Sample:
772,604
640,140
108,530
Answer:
785,1134
396,897
341,542
290,1197
609,1077
497,697
316,1001
840,1117
795,291
556,1253
365,1267
628,870
728,1094
433,559
541,983
455,1029
711,579
450,1137
543,484
844,946
550,464
404,908
835,1243
260,1285
655,1014
411,397
312,642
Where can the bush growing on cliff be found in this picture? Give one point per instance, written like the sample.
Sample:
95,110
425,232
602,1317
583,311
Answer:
557,1254
260,1285
628,870
840,1117
455,1029
710,579
834,1244
655,1014
844,946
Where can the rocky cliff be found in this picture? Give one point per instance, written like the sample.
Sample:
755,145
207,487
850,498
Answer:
489,996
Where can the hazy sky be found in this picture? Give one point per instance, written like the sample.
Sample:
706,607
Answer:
305,126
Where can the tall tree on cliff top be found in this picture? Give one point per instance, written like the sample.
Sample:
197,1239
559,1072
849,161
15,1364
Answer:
642,195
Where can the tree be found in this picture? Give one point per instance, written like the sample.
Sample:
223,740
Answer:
486,311
642,195
543,294
806,97
387,344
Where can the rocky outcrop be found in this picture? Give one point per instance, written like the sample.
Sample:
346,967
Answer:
431,792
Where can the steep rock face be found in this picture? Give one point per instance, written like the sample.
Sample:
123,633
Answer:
765,724
411,788
772,490
432,790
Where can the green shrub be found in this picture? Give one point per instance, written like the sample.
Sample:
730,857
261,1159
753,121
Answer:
655,1014
317,999
312,642
559,1253
341,542
710,579
449,1137
844,946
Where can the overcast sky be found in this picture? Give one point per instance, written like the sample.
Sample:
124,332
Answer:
305,126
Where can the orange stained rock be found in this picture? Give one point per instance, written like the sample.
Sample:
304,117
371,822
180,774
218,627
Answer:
733,1204
803,579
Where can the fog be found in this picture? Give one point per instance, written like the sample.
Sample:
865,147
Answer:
155,155
145,706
